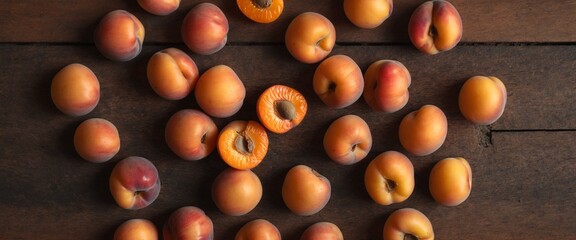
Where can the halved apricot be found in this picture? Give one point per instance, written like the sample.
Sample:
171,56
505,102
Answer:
281,108
261,11
243,144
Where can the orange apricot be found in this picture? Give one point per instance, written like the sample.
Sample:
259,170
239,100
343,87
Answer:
261,11
243,144
281,108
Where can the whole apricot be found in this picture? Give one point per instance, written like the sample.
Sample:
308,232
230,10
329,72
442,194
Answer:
172,74
408,223
451,181
322,231
159,7
97,140
423,131
305,191
348,140
219,92
191,134
119,36
259,229
368,14
310,37
338,81
75,90
205,29
389,178
136,229
236,192
482,99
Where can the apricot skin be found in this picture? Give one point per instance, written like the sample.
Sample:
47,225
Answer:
338,81
451,181
258,229
305,191
482,99
435,26
219,92
159,7
348,140
423,131
406,222
188,223
205,29
322,231
97,140
389,178
136,229
119,36
368,14
386,85
75,90
172,74
310,37
236,192
191,134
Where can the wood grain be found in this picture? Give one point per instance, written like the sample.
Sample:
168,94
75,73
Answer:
483,20
522,179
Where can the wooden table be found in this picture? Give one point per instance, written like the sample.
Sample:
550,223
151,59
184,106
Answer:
524,165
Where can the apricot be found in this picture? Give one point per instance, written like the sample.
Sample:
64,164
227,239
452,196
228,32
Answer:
305,191
423,131
134,183
75,90
136,229
322,231
219,92
281,108
310,37
188,223
368,14
119,36
338,81
386,85
172,74
159,7
435,26
259,229
205,29
451,181
408,223
348,140
243,144
191,134
482,99
261,11
97,140
236,192
389,178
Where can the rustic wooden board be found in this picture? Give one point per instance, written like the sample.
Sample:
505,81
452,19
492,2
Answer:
483,20
524,180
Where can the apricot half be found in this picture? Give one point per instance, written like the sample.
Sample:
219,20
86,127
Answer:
243,144
261,11
281,108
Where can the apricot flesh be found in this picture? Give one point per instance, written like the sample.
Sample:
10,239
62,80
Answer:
75,90
236,192
97,140
281,108
243,144
482,99
451,181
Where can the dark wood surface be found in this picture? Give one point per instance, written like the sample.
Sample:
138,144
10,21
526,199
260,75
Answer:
524,165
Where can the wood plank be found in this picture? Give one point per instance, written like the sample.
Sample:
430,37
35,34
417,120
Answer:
484,21
524,183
